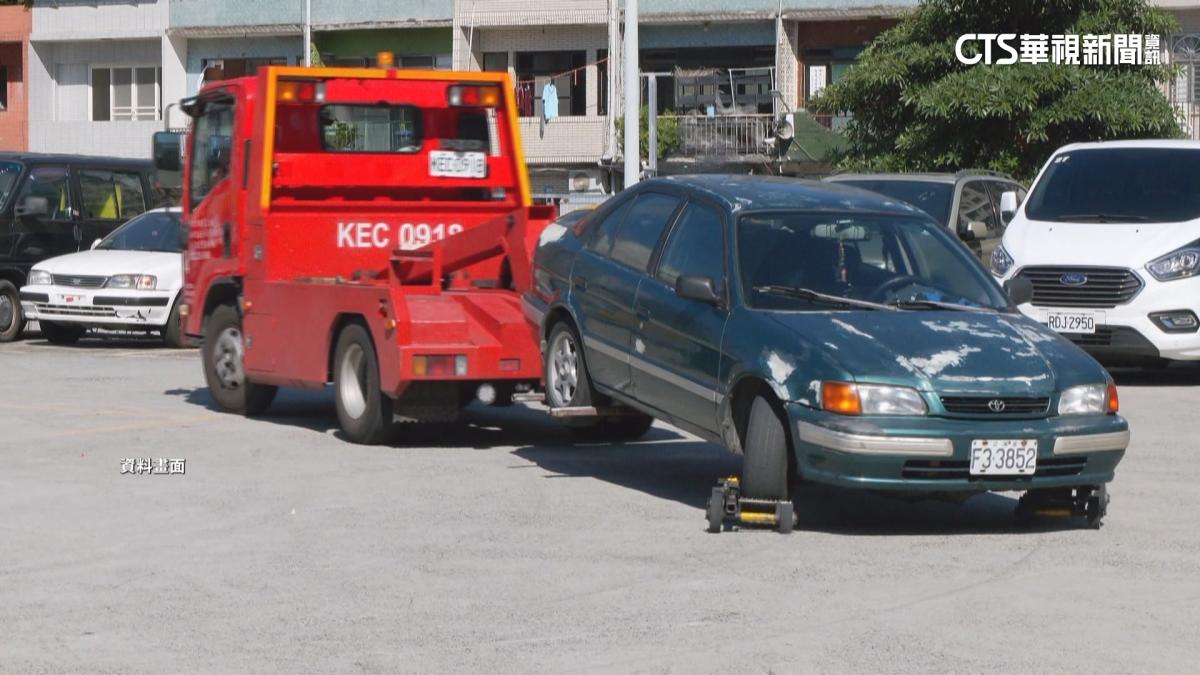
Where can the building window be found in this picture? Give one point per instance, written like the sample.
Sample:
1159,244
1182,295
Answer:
535,69
495,62
3,88
230,68
407,61
125,93
602,82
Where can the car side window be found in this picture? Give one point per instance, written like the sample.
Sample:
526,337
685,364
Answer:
111,195
600,238
695,247
975,205
639,234
51,183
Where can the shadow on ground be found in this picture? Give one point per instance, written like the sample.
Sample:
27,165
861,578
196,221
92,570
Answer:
1174,375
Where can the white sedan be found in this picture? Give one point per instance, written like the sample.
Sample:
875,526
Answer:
130,280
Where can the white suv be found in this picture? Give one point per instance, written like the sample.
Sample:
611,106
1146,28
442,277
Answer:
1109,237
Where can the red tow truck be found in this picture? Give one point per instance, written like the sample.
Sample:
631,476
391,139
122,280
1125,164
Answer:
366,227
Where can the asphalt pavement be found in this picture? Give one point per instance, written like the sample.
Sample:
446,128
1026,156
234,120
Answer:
498,546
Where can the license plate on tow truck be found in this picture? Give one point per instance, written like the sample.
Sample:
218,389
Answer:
1007,457
457,164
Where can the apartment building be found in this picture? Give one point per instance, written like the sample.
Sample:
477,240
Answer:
15,24
722,69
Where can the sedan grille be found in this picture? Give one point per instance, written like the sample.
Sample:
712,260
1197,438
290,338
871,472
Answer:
73,310
952,469
989,406
79,281
1088,287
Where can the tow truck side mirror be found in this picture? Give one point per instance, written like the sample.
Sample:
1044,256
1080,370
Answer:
168,160
1008,206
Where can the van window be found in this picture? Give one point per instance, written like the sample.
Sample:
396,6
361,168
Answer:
1114,185
49,182
111,195
9,173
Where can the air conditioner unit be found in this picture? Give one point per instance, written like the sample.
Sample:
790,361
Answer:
585,181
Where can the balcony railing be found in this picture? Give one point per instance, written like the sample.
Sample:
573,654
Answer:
1187,113
722,136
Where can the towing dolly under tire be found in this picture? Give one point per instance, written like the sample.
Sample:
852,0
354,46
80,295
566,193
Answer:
1088,501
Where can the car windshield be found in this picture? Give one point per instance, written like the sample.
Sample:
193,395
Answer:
9,173
1119,185
932,198
154,231
786,258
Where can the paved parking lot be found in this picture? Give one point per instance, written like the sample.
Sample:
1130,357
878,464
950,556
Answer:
497,546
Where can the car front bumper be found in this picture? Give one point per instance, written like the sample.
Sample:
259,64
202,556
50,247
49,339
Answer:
934,453
97,306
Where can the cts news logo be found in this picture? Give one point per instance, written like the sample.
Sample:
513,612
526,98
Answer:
1004,49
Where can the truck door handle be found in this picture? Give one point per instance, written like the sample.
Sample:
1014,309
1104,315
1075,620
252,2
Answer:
580,283
227,240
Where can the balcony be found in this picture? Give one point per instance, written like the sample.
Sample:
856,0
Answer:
722,137
563,140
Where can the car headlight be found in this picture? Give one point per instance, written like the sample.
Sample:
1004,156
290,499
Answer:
847,398
1089,399
139,282
1179,264
40,278
1002,262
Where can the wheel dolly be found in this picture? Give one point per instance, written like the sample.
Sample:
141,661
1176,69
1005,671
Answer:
727,505
1091,502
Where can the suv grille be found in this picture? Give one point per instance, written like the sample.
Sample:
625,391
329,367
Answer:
78,280
1102,286
982,405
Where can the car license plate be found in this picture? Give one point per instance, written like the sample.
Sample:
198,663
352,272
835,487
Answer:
1007,457
457,164
72,299
1074,322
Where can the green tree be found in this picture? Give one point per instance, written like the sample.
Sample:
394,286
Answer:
917,108
668,132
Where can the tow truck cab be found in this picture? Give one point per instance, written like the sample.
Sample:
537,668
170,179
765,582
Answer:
366,227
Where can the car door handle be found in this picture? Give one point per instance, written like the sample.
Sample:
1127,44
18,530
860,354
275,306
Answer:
579,283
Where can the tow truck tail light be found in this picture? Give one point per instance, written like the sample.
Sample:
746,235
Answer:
1114,403
473,96
441,365
301,91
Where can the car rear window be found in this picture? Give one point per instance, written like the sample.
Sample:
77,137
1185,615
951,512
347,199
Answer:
932,198
371,128
1132,185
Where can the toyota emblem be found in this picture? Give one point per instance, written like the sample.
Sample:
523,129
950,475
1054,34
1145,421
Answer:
996,405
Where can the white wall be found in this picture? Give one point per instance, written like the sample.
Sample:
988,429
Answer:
100,19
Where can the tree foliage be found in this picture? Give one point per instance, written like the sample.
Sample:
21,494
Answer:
917,108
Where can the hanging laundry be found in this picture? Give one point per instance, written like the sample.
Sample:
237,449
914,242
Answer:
549,101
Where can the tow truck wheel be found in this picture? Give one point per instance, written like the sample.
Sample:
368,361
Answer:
11,320
61,333
765,464
365,413
223,366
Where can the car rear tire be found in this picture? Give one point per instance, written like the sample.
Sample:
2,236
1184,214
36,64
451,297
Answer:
172,333
366,414
12,321
61,333
224,367
568,385
765,472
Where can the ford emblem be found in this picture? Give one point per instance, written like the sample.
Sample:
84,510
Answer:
1073,279
996,405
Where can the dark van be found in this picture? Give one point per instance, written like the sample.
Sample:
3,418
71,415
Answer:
56,204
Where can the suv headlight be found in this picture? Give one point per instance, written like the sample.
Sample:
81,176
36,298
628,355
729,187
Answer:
1002,262
1178,264
39,278
847,398
1089,399
139,282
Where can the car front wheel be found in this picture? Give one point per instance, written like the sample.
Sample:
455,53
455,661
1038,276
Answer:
765,468
11,320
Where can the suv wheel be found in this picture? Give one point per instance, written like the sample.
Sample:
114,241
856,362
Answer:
12,322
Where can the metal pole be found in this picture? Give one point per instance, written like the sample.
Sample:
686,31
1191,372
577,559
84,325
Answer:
614,75
307,33
633,160
652,122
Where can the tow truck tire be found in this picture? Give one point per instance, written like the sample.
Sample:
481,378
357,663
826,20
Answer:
765,464
12,321
224,368
172,333
366,414
61,333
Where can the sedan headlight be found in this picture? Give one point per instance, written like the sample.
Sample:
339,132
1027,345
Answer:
138,282
1178,264
1089,399
1002,262
847,398
40,278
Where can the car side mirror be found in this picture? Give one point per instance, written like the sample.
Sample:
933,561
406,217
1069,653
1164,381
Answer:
1008,206
975,231
1019,290
168,160
96,243
700,289
33,207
